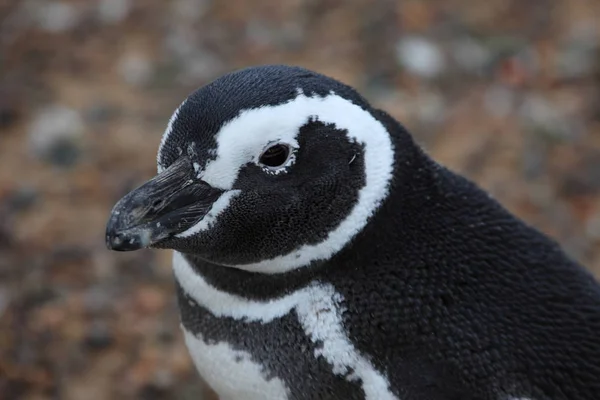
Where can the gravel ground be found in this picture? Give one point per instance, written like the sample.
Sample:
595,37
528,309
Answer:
504,91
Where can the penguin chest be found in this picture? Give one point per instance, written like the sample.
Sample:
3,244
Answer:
292,347
233,374
248,359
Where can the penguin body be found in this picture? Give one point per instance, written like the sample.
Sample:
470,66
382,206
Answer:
320,253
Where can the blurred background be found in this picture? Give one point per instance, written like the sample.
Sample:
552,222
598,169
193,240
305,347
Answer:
505,91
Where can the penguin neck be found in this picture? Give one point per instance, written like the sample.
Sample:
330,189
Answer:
406,218
435,222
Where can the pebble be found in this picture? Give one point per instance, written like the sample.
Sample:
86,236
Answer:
578,52
420,56
10,108
113,11
56,135
258,33
190,10
200,68
499,100
593,226
151,392
180,42
584,179
4,300
101,112
98,336
56,16
163,378
541,115
135,69
150,300
97,299
470,55
430,108
576,59
22,198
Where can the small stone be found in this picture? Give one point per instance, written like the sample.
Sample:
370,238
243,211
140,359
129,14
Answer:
293,35
430,108
97,299
113,11
576,59
190,10
5,299
101,112
584,179
56,16
22,198
8,116
194,390
151,300
135,68
180,43
152,392
201,68
420,56
10,110
499,100
542,116
578,52
470,55
98,336
50,317
593,226
6,236
258,33
56,134
163,379
64,154
165,336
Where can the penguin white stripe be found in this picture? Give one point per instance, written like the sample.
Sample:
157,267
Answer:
320,316
242,139
222,304
165,137
318,309
210,218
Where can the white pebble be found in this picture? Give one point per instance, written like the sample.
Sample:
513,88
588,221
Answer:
135,69
190,10
54,124
470,55
420,56
499,101
113,11
56,16
430,108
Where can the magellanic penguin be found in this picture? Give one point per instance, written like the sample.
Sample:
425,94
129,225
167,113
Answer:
321,254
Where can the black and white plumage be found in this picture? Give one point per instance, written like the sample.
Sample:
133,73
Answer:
321,254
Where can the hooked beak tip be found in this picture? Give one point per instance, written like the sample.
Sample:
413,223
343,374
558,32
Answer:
130,240
159,209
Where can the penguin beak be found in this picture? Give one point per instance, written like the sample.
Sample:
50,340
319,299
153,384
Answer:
166,205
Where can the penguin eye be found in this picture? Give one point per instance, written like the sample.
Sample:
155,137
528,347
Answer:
275,156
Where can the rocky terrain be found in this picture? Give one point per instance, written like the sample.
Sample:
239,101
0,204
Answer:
504,91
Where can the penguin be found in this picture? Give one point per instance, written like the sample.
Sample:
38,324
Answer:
321,253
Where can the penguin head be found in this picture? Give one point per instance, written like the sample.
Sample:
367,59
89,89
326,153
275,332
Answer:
266,169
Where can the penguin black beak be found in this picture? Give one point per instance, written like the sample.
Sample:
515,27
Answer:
168,204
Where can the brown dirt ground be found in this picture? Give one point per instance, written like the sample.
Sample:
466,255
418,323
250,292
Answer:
80,322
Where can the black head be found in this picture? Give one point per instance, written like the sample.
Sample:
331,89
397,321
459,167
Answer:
267,169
